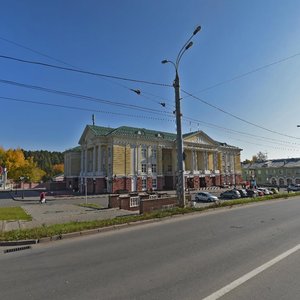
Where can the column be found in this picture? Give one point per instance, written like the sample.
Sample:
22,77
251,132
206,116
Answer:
85,161
99,159
82,162
205,161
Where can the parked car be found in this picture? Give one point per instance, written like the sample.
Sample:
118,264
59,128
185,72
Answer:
274,190
252,193
243,193
293,188
230,194
265,191
260,193
205,197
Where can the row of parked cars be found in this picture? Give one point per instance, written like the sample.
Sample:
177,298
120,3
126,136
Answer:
234,194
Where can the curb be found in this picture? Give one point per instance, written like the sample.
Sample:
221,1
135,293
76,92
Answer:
17,243
95,231
78,233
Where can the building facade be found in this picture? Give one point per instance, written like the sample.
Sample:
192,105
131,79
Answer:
277,172
138,159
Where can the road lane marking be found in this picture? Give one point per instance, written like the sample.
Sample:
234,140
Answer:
226,289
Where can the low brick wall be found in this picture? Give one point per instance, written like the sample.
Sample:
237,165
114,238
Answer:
148,205
113,201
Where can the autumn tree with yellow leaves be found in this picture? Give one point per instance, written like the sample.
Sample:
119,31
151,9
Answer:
17,166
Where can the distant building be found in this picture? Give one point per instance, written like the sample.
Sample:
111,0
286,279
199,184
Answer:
139,159
72,163
276,172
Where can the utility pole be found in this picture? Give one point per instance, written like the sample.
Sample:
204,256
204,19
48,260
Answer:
180,166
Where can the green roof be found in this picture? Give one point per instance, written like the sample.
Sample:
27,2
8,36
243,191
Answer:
132,132
75,149
99,130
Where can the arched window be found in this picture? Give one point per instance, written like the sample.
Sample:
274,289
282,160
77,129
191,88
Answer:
274,182
281,181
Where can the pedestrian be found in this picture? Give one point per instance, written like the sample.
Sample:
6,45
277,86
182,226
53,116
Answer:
42,197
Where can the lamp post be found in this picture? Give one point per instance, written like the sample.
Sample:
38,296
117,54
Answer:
176,84
22,185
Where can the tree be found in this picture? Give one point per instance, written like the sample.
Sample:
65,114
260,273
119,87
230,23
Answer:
17,166
58,169
259,157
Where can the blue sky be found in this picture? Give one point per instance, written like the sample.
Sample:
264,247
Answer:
243,70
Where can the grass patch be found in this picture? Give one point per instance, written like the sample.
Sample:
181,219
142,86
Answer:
59,229
13,214
90,205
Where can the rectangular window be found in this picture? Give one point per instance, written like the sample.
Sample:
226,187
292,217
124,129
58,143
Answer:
153,168
144,168
154,183
169,168
144,183
154,153
144,153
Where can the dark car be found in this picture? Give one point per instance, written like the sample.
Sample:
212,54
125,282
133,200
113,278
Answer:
243,193
230,194
293,188
252,193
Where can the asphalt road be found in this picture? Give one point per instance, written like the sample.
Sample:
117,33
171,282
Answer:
189,257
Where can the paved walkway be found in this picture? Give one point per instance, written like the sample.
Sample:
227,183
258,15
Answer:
54,212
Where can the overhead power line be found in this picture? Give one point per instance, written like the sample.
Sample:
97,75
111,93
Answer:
86,109
135,107
142,94
83,71
247,73
117,114
237,117
84,97
267,139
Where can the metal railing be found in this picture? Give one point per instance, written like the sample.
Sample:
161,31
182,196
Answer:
134,201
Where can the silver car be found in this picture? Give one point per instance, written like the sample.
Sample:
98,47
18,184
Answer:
205,197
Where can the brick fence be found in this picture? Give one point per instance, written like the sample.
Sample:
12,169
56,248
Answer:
148,205
143,202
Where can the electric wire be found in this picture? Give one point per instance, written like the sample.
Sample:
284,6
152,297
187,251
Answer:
271,140
246,73
130,106
70,65
152,83
84,72
187,93
86,109
131,115
237,117
84,97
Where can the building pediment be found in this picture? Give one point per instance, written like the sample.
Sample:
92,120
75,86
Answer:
199,137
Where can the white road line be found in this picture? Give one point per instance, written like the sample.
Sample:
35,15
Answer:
226,289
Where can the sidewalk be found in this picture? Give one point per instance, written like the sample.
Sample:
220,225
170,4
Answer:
53,212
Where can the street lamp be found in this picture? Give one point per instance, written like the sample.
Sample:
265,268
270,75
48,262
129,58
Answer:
180,168
22,185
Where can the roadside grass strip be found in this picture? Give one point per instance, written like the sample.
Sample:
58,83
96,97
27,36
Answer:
13,214
71,227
